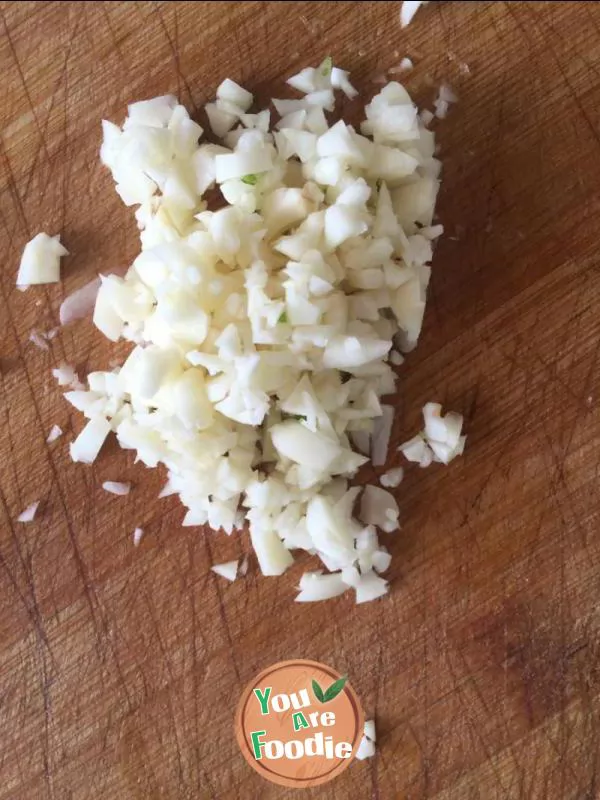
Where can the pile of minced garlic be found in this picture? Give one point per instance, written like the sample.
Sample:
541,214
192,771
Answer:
266,333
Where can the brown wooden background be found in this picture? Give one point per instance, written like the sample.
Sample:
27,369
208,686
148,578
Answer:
120,668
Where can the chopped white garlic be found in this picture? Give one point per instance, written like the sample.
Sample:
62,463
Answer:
366,747
404,66
65,375
243,568
263,333
87,445
227,570
39,339
442,102
316,586
114,487
378,507
392,478
80,303
29,513
40,262
440,440
408,9
54,434
369,730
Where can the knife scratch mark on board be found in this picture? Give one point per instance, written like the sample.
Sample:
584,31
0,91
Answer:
63,149
174,48
113,34
223,615
43,143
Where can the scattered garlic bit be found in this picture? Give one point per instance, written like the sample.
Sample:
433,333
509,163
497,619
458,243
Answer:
404,66
367,546
39,339
392,478
87,445
417,451
54,434
80,303
40,262
366,748
227,570
447,94
114,487
369,587
316,586
443,434
441,439
361,441
137,536
369,730
408,9
378,507
382,431
261,332
29,513
381,560
340,80
442,103
65,375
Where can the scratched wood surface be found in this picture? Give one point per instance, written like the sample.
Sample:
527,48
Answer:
120,668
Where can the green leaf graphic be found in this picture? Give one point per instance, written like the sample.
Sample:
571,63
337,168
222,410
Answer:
335,689
283,318
318,691
250,179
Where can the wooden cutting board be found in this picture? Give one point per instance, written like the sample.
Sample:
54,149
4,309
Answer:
120,668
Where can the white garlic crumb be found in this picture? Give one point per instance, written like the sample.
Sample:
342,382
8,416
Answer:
227,570
40,262
55,432
29,513
366,748
114,487
243,569
392,478
39,339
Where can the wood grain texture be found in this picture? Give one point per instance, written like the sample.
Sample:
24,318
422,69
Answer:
120,668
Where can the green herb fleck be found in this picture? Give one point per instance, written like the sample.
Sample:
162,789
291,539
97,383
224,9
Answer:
250,179
326,66
318,691
283,318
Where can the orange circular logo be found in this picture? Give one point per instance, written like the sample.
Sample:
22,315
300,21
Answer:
299,723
